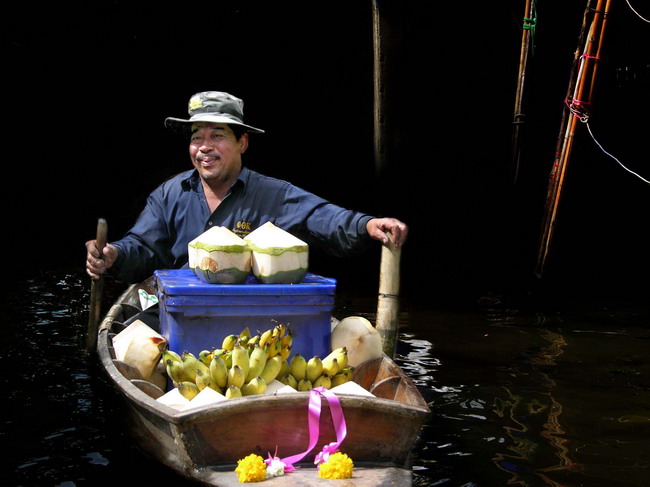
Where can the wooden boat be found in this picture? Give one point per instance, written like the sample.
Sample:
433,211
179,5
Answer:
204,443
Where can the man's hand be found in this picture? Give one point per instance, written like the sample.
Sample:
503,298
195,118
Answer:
96,266
379,227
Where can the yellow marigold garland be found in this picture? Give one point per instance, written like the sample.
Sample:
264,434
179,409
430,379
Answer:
337,466
251,469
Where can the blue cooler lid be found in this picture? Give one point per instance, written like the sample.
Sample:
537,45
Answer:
184,282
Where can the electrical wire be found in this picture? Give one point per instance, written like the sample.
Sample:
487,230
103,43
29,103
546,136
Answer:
586,122
637,13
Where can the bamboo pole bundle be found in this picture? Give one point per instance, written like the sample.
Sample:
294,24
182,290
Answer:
579,95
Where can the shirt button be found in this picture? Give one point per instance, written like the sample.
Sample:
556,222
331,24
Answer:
210,223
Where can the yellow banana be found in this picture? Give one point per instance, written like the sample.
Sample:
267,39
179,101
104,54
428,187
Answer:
289,380
272,368
342,377
240,358
188,390
287,339
284,370
229,342
304,385
275,348
235,376
298,367
314,368
265,337
219,371
255,386
220,352
347,371
334,353
245,333
190,364
204,380
285,351
330,365
175,371
205,356
323,381
233,391
227,357
256,363
278,331
254,340
342,358
171,355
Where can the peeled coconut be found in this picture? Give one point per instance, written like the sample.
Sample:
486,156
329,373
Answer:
219,256
361,339
140,346
278,256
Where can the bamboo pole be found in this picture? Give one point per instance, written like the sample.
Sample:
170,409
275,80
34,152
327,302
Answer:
96,291
579,97
599,50
388,301
519,116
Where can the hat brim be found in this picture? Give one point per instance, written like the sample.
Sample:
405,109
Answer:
180,124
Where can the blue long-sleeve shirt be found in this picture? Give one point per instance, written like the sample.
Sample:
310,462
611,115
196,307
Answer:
177,212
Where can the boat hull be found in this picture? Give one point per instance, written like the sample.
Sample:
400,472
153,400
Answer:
205,443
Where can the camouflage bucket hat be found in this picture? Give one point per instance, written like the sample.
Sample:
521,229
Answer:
212,106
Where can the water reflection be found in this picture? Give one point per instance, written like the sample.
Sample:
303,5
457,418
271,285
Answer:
524,393
534,413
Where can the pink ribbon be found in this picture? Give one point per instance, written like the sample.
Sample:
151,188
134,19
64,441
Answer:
313,420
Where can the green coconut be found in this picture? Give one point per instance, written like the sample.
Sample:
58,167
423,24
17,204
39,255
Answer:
278,256
218,256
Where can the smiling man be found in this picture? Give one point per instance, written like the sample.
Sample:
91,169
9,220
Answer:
215,151
221,191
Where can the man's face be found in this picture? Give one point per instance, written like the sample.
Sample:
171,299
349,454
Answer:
216,152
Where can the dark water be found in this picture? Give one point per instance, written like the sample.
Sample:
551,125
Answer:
550,395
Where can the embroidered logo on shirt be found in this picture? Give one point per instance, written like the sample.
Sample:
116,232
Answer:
242,229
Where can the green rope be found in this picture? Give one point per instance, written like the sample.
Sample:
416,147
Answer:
531,22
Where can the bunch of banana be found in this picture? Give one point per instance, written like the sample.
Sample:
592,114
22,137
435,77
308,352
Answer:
243,366
329,372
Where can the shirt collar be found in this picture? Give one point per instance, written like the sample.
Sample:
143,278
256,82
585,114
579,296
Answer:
193,180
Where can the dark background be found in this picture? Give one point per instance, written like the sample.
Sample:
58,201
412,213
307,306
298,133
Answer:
88,85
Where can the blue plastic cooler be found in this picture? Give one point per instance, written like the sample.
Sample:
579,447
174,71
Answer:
195,315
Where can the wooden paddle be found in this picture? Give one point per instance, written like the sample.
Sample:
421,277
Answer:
96,291
388,300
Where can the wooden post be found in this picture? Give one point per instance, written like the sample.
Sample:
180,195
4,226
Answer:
378,89
385,39
96,291
388,301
